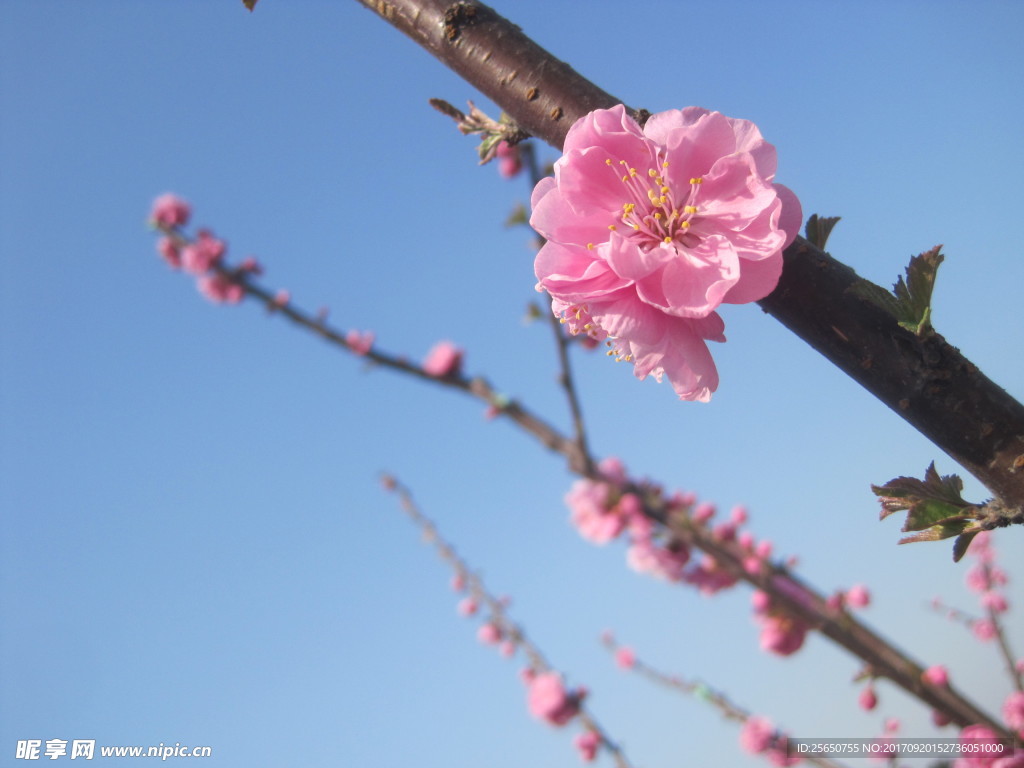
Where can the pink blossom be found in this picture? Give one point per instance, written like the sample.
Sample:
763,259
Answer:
858,596
587,744
936,675
650,230
625,658
703,512
1013,711
984,629
201,256
360,342
868,700
995,601
444,359
170,211
782,635
1016,760
613,470
757,735
509,161
665,562
220,289
977,578
761,601
591,513
548,700
977,736
489,634
709,576
168,249
763,549
467,606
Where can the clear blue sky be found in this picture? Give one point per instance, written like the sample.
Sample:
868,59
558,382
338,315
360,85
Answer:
195,548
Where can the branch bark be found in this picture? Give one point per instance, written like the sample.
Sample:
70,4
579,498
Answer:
924,380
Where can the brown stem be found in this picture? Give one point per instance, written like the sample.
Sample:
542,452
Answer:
885,659
497,609
924,380
699,690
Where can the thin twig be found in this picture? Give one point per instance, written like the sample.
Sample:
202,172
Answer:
497,608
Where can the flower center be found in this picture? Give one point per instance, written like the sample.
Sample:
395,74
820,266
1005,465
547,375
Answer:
653,210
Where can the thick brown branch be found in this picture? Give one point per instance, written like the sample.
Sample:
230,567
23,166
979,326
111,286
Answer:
924,380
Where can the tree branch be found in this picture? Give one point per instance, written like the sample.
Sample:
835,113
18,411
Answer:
924,380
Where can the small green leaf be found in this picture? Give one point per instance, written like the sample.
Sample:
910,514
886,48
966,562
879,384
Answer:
517,216
915,294
935,508
963,541
819,228
910,300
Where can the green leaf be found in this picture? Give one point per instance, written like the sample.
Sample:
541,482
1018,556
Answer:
819,228
935,508
910,300
517,216
963,541
915,294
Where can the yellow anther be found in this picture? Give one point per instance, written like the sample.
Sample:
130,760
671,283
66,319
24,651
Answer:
657,215
623,162
664,190
626,177
662,200
607,161
690,209
668,239
632,171
697,180
611,227
652,173
590,246
665,164
635,226
684,224
610,352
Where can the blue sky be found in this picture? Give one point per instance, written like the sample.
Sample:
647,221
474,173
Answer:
195,545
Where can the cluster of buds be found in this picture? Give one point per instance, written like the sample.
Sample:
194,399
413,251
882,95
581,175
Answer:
202,256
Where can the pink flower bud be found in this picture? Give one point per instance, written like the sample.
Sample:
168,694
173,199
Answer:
467,607
995,601
489,634
170,211
220,289
940,719
867,699
704,512
587,744
360,342
444,359
858,596
168,249
625,658
984,630
739,515
936,675
281,299
509,161
1013,710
